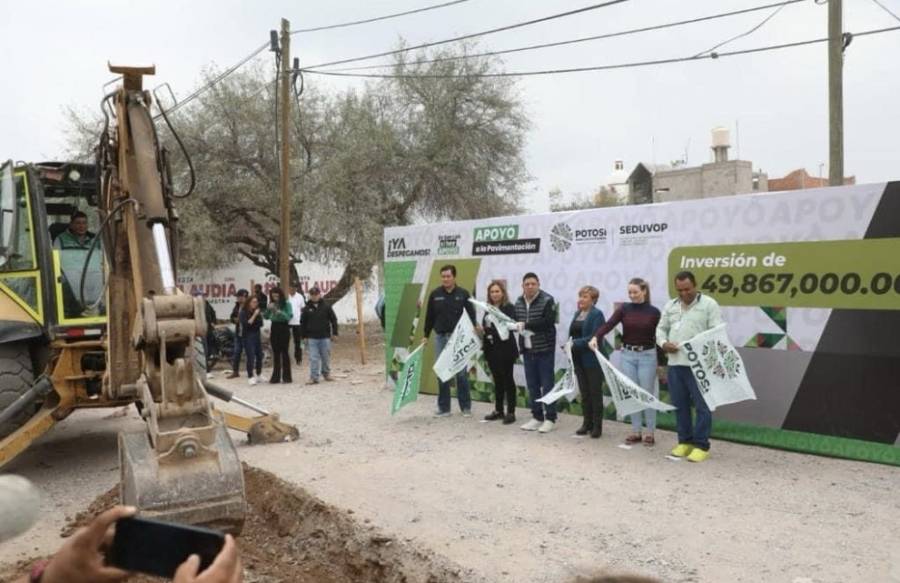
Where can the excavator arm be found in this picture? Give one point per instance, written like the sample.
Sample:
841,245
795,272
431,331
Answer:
184,467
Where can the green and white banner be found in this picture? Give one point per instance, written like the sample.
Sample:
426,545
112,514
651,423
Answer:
718,368
567,386
463,346
406,390
808,281
626,394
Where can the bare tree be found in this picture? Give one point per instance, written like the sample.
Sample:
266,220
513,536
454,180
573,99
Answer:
437,142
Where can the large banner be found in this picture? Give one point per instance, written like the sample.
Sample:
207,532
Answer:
809,283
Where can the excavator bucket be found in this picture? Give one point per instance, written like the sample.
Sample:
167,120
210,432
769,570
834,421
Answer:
204,487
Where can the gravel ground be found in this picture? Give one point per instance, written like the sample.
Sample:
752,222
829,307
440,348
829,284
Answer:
517,506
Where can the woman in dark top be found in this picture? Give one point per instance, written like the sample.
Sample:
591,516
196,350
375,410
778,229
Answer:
587,370
280,312
501,355
639,320
251,319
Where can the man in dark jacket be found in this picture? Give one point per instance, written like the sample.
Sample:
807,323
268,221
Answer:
445,307
240,297
318,325
536,314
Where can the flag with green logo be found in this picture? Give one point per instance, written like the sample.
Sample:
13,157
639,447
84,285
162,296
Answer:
407,388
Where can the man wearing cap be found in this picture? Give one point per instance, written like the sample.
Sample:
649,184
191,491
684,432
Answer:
240,297
318,325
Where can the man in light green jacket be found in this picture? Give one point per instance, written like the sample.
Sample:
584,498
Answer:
683,318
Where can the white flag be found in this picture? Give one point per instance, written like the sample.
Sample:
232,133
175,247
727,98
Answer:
503,323
567,387
463,346
718,368
628,397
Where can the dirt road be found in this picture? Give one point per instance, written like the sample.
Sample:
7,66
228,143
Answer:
517,506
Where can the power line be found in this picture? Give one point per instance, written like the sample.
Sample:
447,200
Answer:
712,55
377,18
886,9
218,78
213,82
468,36
749,32
582,39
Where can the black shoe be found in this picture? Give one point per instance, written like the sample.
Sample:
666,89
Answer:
493,416
596,432
274,381
583,430
509,419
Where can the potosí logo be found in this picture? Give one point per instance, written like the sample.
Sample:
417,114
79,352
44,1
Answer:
502,240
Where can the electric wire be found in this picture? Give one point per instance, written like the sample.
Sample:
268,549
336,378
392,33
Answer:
886,9
218,78
377,18
471,35
673,60
581,39
747,33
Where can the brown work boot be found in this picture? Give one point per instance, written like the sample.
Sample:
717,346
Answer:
232,375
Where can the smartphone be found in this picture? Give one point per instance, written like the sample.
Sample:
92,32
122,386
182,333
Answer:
158,548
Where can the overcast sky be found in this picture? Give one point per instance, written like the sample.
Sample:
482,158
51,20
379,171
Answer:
55,54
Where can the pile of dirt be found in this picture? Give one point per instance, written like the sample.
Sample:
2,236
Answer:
291,536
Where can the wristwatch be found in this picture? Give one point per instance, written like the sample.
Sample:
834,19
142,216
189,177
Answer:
37,571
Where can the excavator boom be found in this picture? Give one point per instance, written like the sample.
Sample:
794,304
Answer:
184,467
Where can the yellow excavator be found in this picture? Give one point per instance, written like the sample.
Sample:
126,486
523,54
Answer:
93,320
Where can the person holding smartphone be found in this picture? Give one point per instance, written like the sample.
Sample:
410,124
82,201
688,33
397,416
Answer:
251,326
81,559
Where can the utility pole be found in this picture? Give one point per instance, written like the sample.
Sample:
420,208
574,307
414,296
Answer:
835,93
284,246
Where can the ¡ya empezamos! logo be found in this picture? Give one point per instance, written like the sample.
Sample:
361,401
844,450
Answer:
502,240
397,248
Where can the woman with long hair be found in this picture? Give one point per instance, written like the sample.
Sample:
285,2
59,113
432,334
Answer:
639,319
280,312
501,355
587,319
251,320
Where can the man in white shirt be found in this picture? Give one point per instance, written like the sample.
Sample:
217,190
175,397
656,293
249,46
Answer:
298,301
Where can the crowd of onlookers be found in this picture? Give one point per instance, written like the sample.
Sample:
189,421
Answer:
296,319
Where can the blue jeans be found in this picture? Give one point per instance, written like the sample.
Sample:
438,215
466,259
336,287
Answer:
539,378
253,349
236,353
641,368
463,392
319,357
684,392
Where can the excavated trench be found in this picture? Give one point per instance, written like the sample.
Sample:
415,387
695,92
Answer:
291,536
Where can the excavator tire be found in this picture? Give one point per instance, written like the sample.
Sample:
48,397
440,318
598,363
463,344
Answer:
16,377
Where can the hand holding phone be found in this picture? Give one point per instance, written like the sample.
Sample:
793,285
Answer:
160,548
80,560
226,568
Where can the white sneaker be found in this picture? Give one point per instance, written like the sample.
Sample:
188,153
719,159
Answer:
210,375
252,381
532,425
547,427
